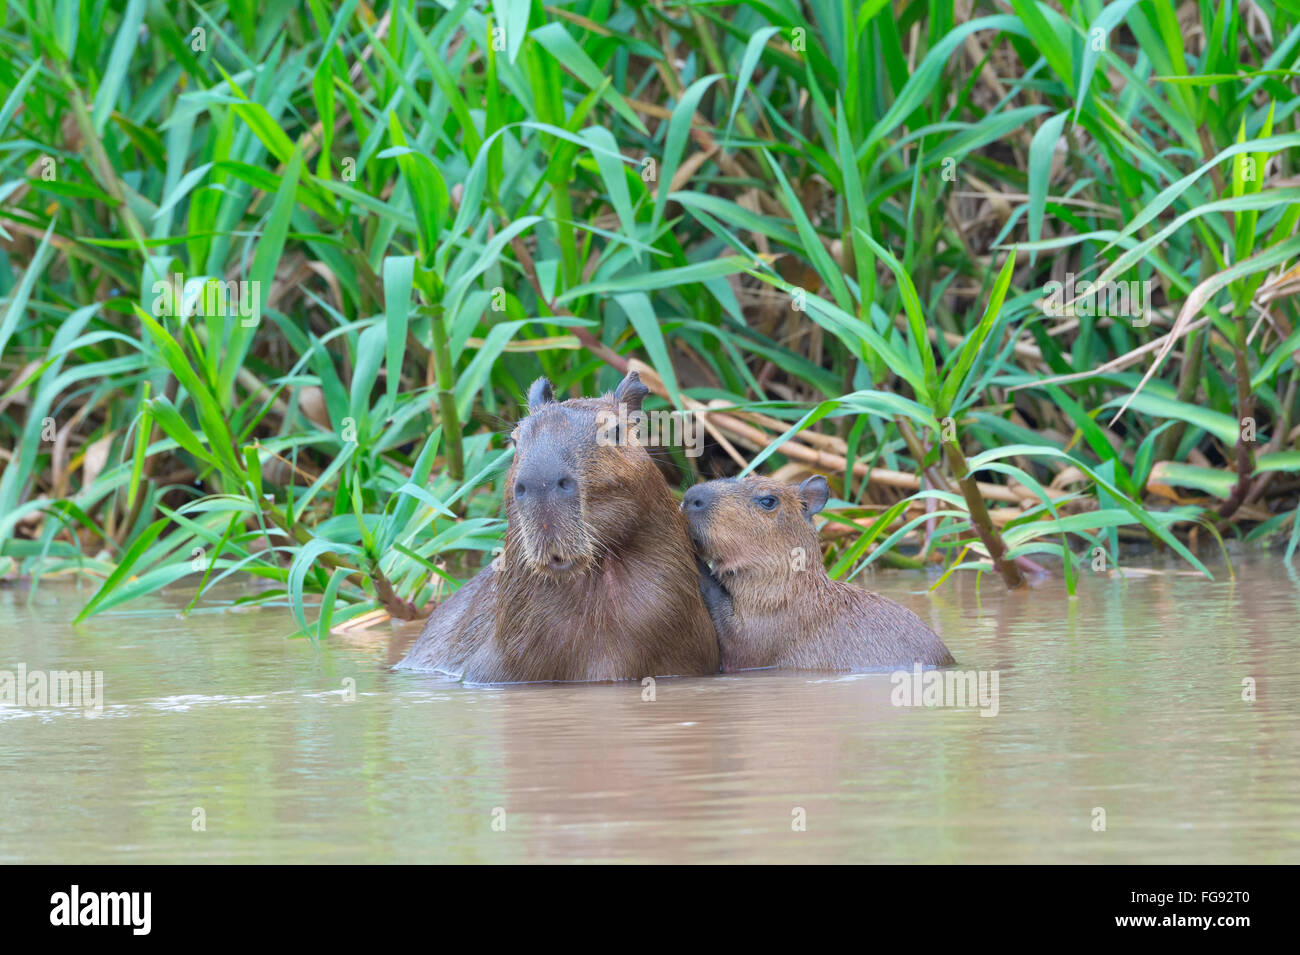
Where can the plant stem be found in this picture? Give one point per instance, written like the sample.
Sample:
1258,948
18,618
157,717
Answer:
1189,380
919,452
979,514
395,605
100,163
1245,409
445,378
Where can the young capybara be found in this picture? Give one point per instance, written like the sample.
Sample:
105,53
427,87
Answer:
771,600
597,579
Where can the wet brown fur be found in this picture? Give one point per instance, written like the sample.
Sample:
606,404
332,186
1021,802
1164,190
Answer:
772,602
630,605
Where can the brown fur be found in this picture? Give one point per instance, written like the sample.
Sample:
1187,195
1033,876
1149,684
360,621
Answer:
599,585
772,602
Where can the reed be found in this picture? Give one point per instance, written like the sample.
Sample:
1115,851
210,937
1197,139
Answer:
849,237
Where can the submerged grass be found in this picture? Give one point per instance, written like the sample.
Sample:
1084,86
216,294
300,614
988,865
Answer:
1018,276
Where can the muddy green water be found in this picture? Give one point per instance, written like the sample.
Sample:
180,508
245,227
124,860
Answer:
1127,699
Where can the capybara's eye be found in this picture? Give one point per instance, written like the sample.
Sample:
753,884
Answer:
767,502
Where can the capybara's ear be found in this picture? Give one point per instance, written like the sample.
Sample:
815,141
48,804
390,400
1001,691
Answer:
539,393
631,392
813,494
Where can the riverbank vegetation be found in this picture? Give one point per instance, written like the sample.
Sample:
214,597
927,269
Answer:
1018,277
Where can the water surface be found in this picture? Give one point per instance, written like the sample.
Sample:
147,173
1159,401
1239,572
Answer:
1127,699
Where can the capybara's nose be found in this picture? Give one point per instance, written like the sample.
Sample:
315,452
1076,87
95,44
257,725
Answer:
546,485
695,500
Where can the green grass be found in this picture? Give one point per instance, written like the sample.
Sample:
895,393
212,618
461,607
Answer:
835,222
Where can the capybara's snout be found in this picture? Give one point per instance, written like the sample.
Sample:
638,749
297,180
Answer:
696,501
698,506
548,509
545,483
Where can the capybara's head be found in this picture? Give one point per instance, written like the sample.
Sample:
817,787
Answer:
580,481
755,526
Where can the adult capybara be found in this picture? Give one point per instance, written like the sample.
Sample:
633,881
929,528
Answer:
771,600
597,579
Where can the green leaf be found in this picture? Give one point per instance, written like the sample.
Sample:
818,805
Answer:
1107,20
18,302
921,84
515,20
211,417
270,248
660,279
302,563
955,378
16,96
1278,461
915,320
813,249
179,430
641,314
124,44
1041,150
1051,36
123,569
679,128
613,176
1145,519
1222,426
370,355
555,39
275,139
428,191
748,60
143,425
1215,481
399,276
866,538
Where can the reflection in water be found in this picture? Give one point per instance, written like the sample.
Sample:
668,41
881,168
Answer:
1128,699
